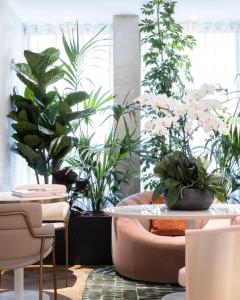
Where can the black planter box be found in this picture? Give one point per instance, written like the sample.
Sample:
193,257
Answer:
89,241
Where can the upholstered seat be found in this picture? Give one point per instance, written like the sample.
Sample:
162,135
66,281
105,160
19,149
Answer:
24,240
138,254
56,213
182,277
212,264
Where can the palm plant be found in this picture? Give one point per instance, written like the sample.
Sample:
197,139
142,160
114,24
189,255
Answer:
79,57
98,165
225,151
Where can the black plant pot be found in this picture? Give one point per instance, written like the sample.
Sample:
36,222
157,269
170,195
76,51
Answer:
191,199
89,241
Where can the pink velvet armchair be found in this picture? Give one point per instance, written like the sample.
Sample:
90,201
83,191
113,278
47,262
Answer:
141,255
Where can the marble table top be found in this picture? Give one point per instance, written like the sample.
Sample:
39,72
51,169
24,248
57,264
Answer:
160,211
8,198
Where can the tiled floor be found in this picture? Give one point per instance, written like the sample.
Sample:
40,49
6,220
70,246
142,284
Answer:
77,279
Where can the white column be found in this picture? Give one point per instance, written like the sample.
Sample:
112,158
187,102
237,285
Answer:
127,76
11,37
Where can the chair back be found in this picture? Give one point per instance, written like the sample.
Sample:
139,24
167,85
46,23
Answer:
16,223
213,264
56,187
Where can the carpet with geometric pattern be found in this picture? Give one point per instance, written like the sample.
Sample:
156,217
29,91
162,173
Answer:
105,284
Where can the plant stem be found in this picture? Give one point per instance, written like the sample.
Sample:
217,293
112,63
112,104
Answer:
46,178
37,177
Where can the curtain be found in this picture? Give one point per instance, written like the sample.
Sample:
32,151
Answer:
215,58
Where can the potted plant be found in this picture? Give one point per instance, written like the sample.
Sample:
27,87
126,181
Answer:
184,180
100,175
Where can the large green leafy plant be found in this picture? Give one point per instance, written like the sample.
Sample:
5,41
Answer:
166,61
43,118
179,171
167,68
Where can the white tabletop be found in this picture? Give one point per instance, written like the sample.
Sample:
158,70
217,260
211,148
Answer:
7,198
160,211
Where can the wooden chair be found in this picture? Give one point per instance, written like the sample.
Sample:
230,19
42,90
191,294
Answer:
25,241
56,213
212,269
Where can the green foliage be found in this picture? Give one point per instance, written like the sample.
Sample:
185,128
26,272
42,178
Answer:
225,150
166,60
42,118
167,67
178,171
100,166
79,57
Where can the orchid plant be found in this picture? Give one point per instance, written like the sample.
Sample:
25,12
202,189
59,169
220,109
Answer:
177,122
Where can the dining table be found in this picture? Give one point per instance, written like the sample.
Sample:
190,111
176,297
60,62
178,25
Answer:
161,212
19,292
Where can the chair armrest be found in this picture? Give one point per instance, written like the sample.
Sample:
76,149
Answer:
46,231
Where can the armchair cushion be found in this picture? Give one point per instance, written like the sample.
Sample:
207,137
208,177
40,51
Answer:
55,211
168,227
182,277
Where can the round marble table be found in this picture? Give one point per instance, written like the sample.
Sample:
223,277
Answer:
8,198
160,211
19,293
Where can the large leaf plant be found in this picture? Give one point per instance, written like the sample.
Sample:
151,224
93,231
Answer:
179,171
42,118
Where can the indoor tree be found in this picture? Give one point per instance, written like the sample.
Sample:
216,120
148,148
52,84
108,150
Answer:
167,67
42,118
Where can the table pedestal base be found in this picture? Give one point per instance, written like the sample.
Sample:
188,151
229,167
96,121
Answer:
27,295
175,296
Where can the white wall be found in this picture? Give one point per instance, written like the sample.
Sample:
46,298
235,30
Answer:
11,46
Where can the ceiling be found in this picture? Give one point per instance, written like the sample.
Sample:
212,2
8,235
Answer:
95,11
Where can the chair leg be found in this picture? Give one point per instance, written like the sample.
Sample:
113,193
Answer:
0,278
66,251
41,269
54,271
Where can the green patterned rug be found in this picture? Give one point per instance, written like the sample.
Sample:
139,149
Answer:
105,284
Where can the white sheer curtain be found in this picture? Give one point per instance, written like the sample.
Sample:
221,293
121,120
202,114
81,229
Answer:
215,58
